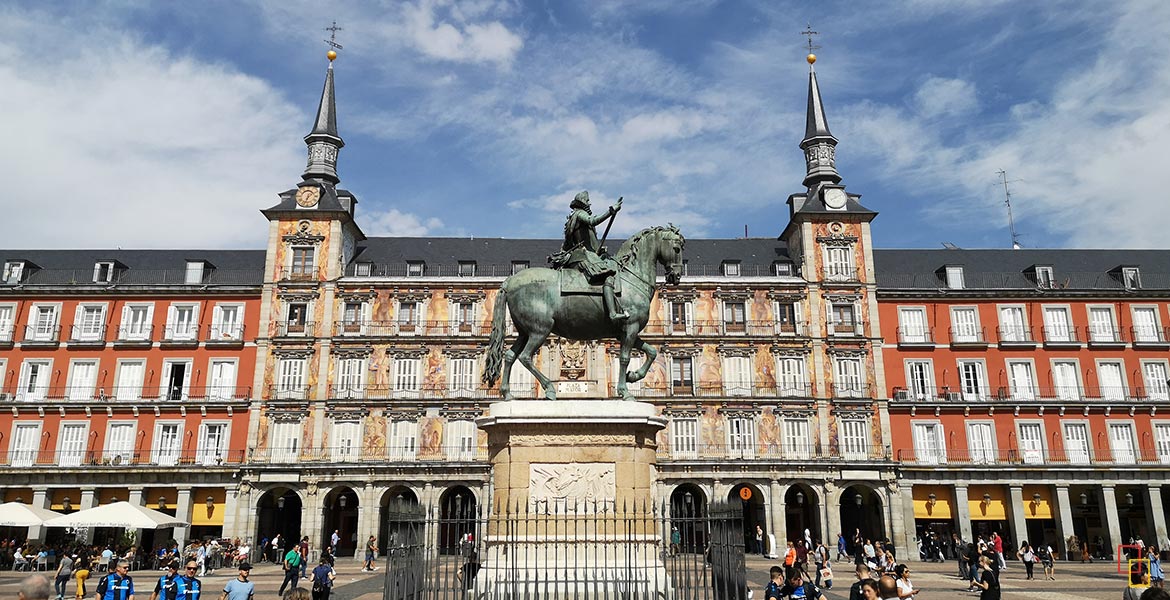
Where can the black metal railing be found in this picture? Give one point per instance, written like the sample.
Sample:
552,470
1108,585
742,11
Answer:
1096,334
135,334
1143,334
1061,334
32,458
224,334
1012,334
295,329
1031,456
181,334
134,394
849,328
909,336
88,334
298,273
967,335
41,334
565,549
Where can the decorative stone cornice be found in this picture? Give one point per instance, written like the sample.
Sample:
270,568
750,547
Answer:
402,352
679,350
410,295
403,413
680,295
842,298
752,412
852,412
794,349
302,237
287,414
691,412
792,412
465,295
732,295
461,414
725,350
356,296
363,351
787,295
857,349
463,352
348,413
297,294
297,351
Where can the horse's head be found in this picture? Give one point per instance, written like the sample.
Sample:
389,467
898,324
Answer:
670,248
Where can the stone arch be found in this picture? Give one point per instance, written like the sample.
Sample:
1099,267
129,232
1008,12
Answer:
754,513
394,498
688,509
802,511
279,510
458,507
339,512
866,517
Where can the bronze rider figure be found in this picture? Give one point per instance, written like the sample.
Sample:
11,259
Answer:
584,252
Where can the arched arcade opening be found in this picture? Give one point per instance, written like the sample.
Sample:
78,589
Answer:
340,514
278,512
688,508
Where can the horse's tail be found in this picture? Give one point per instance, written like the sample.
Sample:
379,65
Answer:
495,351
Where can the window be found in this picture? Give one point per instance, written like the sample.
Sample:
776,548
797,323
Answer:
403,440
1145,324
734,317
1076,443
129,378
682,317
1012,327
782,268
71,445
791,376
1156,382
302,262
286,441
788,317
965,322
351,377
409,312
25,439
459,442
82,379
290,379
363,269
854,439
737,376
684,437
136,322
929,446
1031,443
7,319
954,278
347,439
34,380
1162,442
519,265
406,380
1121,442
176,379
521,381
227,322
212,444
682,380
731,268
1111,377
741,437
463,317
194,272
1066,380
841,321
848,378
795,439
89,322
981,442
352,318
462,375
1022,378
296,318
1131,278
103,272
912,326
1045,277
415,268
183,322
839,263
13,272
920,379
1101,327
1057,324
119,444
167,444
44,323
466,268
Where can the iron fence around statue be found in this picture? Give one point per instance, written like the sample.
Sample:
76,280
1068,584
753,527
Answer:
565,551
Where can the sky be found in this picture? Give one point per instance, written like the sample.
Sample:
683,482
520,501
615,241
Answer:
144,124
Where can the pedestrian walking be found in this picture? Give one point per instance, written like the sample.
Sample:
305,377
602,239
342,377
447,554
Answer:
371,552
997,543
1028,557
820,559
775,584
1156,574
64,574
80,574
304,546
760,540
189,586
855,591
1047,556
240,588
902,580
322,577
166,588
988,581
334,540
1139,582
842,548
292,569
117,585
675,540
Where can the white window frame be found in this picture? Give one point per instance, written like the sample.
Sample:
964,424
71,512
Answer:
465,268
1146,332
519,265
1063,332
14,272
85,330
223,329
115,455
981,455
1077,456
290,382
194,273
839,265
742,436
413,324
1112,392
346,436
186,331
913,327
307,270
854,436
729,323
74,456
687,327
40,331
1159,389
124,390
129,330
636,361
1097,329
521,381
406,384
402,439
958,329
7,322
1131,278
166,456
731,268
954,277
1161,433
459,324
677,381
849,384
164,381
460,438
1022,391
841,327
1033,451
284,441
930,442
1013,332
920,378
1122,455
350,379
737,375
792,376
1065,390
103,271
41,391
462,374
415,268
797,325
24,457
1045,277
684,437
207,455
81,390
217,387
796,439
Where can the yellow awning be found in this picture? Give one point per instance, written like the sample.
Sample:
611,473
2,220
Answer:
941,508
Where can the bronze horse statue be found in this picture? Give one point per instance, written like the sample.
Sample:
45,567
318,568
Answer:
533,298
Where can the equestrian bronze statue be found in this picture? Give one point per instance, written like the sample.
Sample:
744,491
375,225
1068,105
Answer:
565,300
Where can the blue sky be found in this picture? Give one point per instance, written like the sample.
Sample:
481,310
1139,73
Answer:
147,124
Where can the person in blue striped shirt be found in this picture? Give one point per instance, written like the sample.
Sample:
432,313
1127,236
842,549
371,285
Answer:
117,585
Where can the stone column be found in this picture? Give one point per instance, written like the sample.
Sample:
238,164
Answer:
40,499
832,508
906,493
1065,522
88,498
367,524
779,525
896,526
1017,521
136,498
1112,521
962,512
1157,518
231,525
183,511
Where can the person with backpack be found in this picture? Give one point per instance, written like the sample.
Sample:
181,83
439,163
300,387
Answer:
292,568
117,585
1045,554
796,588
820,559
322,578
772,590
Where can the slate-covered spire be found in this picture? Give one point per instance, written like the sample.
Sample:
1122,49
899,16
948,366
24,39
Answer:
323,141
818,144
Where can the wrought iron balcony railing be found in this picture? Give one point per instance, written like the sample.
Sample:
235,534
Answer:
119,458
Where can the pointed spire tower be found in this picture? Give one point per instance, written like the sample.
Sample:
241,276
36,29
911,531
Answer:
819,145
323,141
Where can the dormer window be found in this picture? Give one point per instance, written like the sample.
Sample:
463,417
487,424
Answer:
782,268
363,269
1045,277
954,277
731,268
103,271
1131,277
519,265
195,272
467,268
14,272
415,268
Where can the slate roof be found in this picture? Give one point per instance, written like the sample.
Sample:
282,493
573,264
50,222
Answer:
1010,269
139,267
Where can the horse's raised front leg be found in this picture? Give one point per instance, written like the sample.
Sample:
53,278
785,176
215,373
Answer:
509,360
535,340
651,354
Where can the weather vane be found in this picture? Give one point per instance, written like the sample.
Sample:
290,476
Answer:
808,31
332,41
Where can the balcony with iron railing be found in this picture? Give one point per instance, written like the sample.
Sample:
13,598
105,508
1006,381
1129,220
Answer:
133,394
915,336
719,328
225,335
370,455
840,328
41,335
806,452
88,335
7,334
1034,457
1061,335
135,335
1149,336
180,335
1015,336
294,329
115,459
839,274
298,273
970,337
1105,336
1158,392
373,329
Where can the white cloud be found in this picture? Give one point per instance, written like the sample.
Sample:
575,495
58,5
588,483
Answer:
486,42
116,141
395,223
939,96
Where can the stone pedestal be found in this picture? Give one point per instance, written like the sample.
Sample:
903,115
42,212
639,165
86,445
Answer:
572,512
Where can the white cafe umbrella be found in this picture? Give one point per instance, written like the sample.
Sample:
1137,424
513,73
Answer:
117,514
19,514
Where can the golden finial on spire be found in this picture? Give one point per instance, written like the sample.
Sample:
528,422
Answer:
332,41
808,31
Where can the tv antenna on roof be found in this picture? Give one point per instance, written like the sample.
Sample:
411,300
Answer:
1007,200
